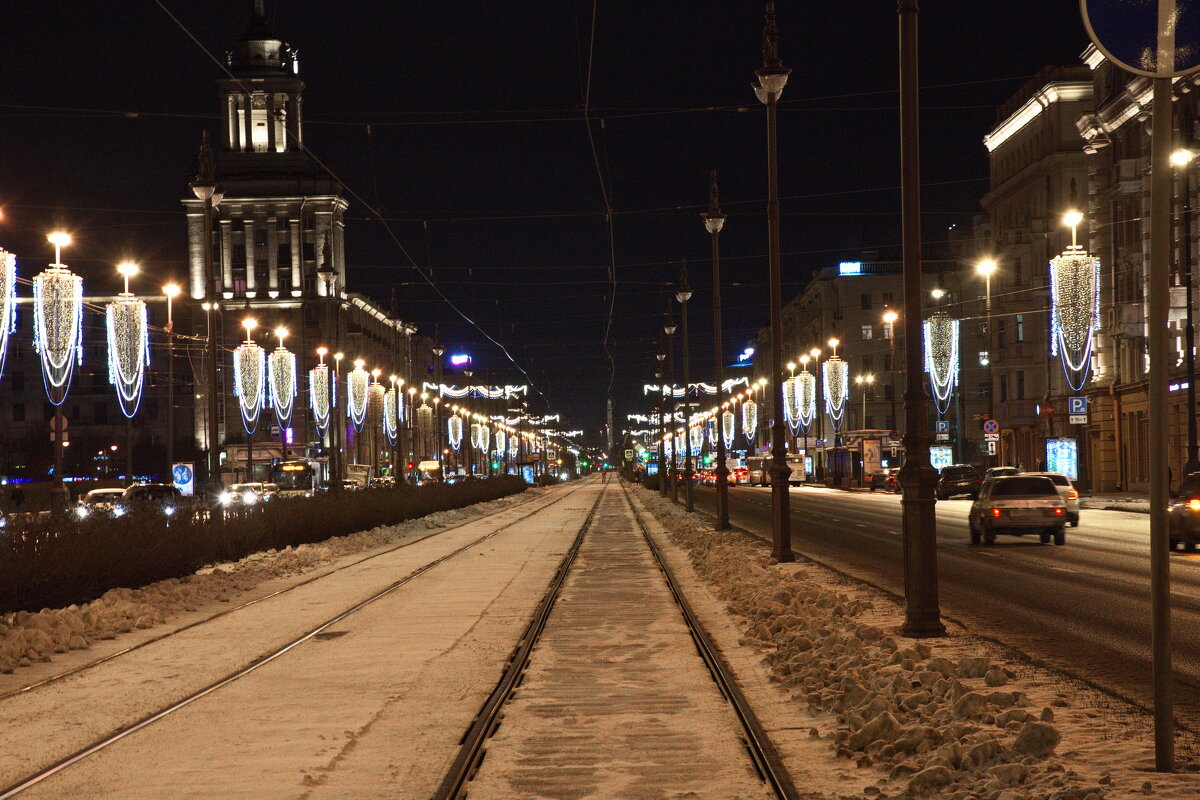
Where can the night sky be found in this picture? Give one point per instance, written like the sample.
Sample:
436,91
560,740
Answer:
462,124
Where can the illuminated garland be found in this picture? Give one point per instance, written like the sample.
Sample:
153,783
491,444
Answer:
391,419
401,406
728,428
128,350
318,396
249,382
749,420
941,357
791,403
806,389
425,427
501,443
837,389
58,328
696,439
8,301
514,446
485,438
710,426
1074,311
454,430
358,383
475,435
668,450
281,374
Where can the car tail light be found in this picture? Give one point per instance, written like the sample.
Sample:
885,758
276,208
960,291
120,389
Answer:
997,512
1072,495
1194,504
1057,512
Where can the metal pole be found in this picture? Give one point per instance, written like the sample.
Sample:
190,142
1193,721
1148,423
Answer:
714,221
1185,258
674,404
917,477
772,77
170,393
129,450
1159,288
690,491
214,454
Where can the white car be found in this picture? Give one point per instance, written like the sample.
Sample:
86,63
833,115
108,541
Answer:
242,494
1066,491
102,502
1016,505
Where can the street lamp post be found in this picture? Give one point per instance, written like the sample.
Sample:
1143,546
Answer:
714,221
918,478
985,268
127,270
864,382
1182,158
772,77
819,461
662,422
171,290
205,188
669,330
889,318
683,294
249,323
337,423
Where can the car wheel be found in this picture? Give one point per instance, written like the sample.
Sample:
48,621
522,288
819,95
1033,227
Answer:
975,537
989,539
1074,523
1174,545
941,496
1060,536
1045,537
1189,546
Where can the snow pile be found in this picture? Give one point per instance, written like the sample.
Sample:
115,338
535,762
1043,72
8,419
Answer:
950,728
28,637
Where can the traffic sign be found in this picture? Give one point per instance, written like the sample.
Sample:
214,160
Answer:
943,437
183,476
991,446
1129,35
629,455
943,426
1077,409
991,426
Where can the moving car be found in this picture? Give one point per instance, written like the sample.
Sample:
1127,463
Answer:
1067,491
886,480
242,494
151,498
1183,514
1016,505
103,502
996,472
756,471
958,479
738,476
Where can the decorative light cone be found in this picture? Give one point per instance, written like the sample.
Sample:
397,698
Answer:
837,389
401,406
358,384
425,426
749,419
941,357
728,428
1074,311
281,373
454,431
668,448
250,382
806,391
514,446
128,350
475,435
485,437
318,396
8,301
696,439
501,443
391,419
791,403
58,328
710,426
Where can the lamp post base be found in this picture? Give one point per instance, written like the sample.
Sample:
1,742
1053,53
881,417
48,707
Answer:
722,498
781,513
922,618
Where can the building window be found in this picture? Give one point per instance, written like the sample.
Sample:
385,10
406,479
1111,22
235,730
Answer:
1001,332
867,363
866,302
1002,381
1021,385
888,366
1020,327
17,381
889,330
868,332
886,297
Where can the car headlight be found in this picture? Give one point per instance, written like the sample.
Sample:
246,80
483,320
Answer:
249,498
224,498
81,511
169,510
118,511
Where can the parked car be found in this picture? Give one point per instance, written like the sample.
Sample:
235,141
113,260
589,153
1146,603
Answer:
996,472
1067,491
102,502
152,498
756,471
1183,514
886,480
958,479
1016,505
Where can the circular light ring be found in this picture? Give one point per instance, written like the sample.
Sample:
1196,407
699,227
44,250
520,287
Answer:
791,403
501,443
58,328
391,421
696,439
249,382
941,357
710,427
281,373
318,396
837,389
128,332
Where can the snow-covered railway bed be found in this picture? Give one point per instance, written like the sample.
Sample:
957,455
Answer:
271,697
616,690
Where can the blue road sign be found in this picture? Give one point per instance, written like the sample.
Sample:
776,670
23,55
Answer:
1127,33
1076,405
991,426
943,426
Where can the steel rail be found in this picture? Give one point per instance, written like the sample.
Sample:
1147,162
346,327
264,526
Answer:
257,663
761,749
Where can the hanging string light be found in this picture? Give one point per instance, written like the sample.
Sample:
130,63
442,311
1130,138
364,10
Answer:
249,377
318,392
668,450
728,428
941,357
806,391
128,344
710,425
358,383
58,322
501,442
749,419
514,446
837,389
425,423
454,431
8,301
696,439
485,437
1074,311
391,420
791,403
281,372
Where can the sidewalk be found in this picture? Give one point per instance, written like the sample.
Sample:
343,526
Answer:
1117,501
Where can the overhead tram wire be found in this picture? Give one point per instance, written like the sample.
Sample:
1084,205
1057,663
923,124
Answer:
391,233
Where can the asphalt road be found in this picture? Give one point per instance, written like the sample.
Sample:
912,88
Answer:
1083,607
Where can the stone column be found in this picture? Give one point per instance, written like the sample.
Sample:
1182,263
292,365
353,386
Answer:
248,227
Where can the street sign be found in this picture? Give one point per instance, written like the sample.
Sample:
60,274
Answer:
629,455
943,437
183,475
1128,34
991,437
1077,409
991,426
991,446
943,426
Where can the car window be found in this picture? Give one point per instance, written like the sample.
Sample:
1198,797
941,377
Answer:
1023,486
1059,480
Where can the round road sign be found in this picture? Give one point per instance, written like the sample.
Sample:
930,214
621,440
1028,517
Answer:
1133,34
991,426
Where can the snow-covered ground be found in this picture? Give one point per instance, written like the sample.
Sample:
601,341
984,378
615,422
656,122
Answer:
883,715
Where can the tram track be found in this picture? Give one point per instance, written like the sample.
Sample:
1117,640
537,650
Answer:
270,656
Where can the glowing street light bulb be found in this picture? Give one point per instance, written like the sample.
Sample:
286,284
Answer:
986,267
937,294
360,363
890,317
1072,220
59,239
127,270
833,344
172,290
281,332
249,323
1182,157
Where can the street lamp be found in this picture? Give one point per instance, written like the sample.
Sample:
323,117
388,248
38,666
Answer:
714,222
683,294
171,290
204,186
772,78
1182,159
889,318
937,293
669,330
864,381
661,356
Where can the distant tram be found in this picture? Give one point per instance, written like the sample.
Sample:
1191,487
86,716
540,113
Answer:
301,477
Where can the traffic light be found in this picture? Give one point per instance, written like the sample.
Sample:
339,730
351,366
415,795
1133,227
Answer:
411,465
